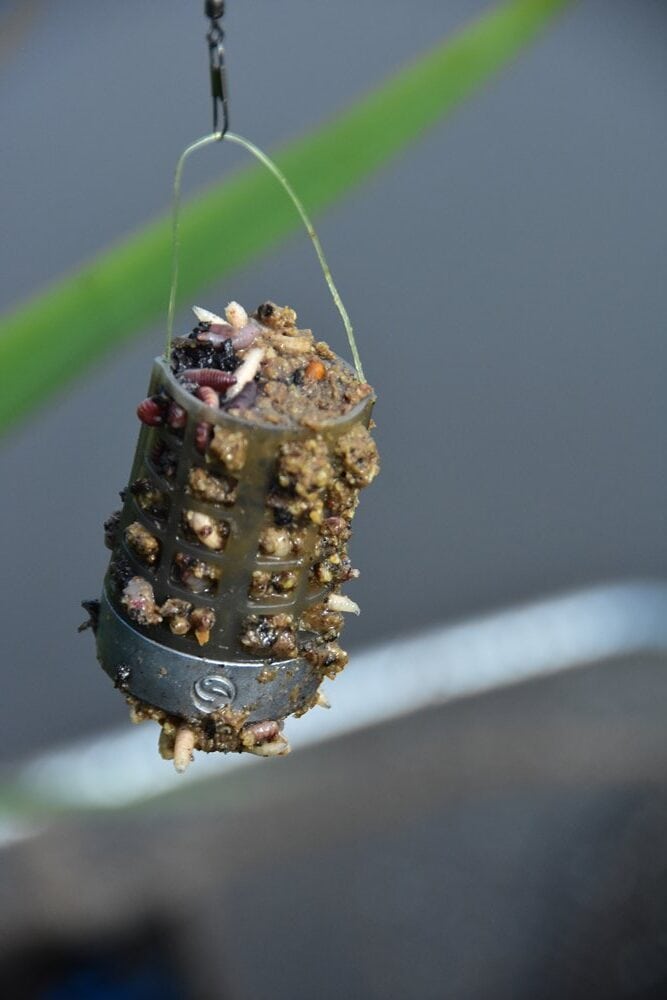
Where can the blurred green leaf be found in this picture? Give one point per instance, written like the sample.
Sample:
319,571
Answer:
121,291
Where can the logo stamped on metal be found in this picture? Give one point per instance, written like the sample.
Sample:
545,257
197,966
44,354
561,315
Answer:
213,692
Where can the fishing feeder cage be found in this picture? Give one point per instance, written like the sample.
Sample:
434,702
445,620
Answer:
235,678
222,604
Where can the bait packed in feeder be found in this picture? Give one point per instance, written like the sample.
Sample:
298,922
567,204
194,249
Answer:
222,606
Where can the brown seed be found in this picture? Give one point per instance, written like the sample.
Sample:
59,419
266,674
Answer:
142,542
175,606
139,599
315,371
230,448
179,625
202,621
212,489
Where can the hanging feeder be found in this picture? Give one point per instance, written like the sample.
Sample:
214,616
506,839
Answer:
222,606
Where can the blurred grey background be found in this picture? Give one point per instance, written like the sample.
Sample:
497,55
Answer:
506,278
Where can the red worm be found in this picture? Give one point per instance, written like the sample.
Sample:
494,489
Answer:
221,328
211,337
215,333
262,732
211,377
202,430
176,416
245,336
202,437
150,412
208,396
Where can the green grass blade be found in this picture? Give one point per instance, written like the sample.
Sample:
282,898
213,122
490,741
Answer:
121,291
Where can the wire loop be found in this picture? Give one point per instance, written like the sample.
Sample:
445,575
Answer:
267,162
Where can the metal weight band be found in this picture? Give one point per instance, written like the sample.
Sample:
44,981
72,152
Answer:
193,687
